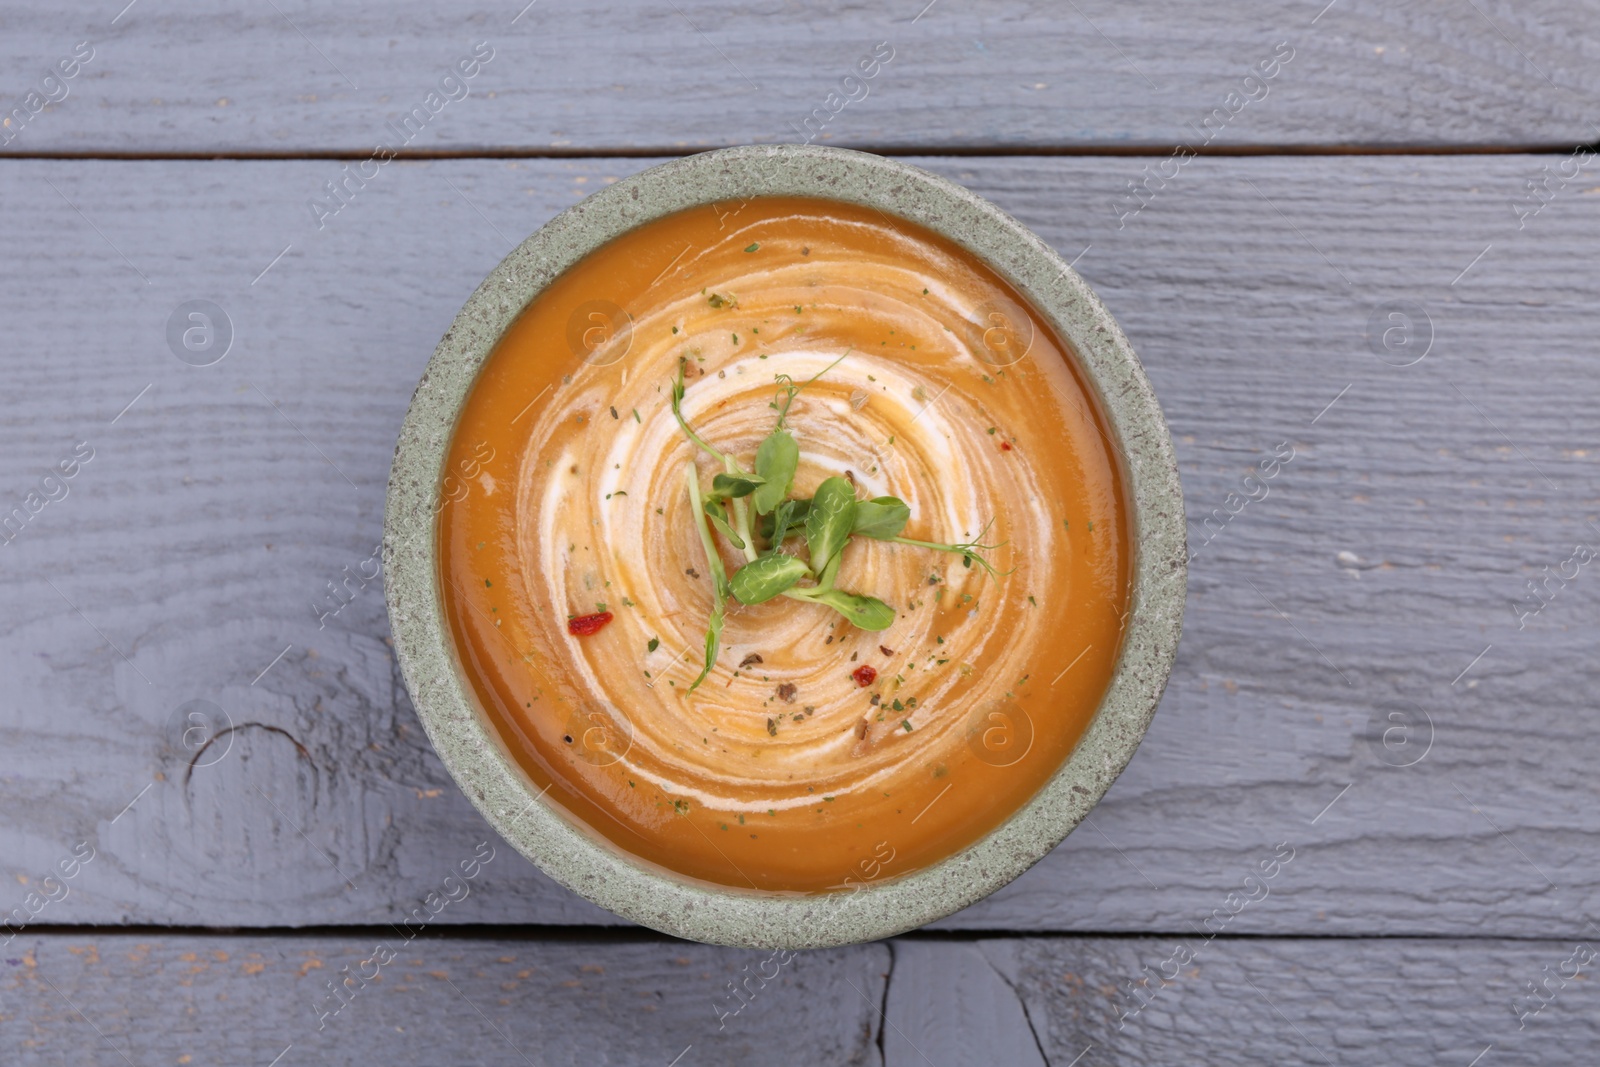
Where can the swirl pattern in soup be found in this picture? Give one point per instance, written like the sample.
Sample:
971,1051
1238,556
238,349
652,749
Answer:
814,755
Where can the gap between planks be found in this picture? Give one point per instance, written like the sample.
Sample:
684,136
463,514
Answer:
595,934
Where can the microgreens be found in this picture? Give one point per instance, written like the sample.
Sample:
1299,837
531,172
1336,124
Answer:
828,520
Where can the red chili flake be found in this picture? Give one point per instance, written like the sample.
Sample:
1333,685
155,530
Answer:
864,675
1005,446
584,625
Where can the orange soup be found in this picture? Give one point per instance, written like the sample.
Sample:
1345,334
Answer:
815,753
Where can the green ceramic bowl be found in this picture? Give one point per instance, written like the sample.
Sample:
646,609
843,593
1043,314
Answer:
729,916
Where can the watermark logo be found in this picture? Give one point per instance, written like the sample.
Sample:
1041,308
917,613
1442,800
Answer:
451,86
53,88
51,487
1540,592
1401,738
1000,733
1400,333
199,332
192,728
598,734
1001,335
599,332
853,88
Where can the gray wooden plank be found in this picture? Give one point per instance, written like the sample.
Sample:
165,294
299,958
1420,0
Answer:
262,999
97,997
950,1005
620,74
1316,1001
192,549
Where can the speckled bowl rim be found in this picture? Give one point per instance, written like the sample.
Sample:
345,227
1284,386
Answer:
713,914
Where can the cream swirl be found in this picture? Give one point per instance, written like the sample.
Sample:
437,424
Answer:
602,516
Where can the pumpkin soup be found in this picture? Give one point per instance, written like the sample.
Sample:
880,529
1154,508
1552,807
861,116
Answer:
783,545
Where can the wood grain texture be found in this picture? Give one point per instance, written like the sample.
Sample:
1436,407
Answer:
194,547
95,997
1312,1002
211,78
114,999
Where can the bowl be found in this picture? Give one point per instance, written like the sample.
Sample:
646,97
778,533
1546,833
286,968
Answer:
730,916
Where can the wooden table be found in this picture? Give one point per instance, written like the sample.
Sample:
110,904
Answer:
215,795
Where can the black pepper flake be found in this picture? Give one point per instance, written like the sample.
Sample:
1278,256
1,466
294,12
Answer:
691,572
772,727
754,657
786,692
886,650
613,413
853,656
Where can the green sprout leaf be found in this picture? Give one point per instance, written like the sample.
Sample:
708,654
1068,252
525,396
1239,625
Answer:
866,612
829,573
797,517
719,518
713,641
734,484
881,518
776,461
829,521
719,575
775,527
758,582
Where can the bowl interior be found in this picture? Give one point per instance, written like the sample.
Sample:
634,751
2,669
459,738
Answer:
717,914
